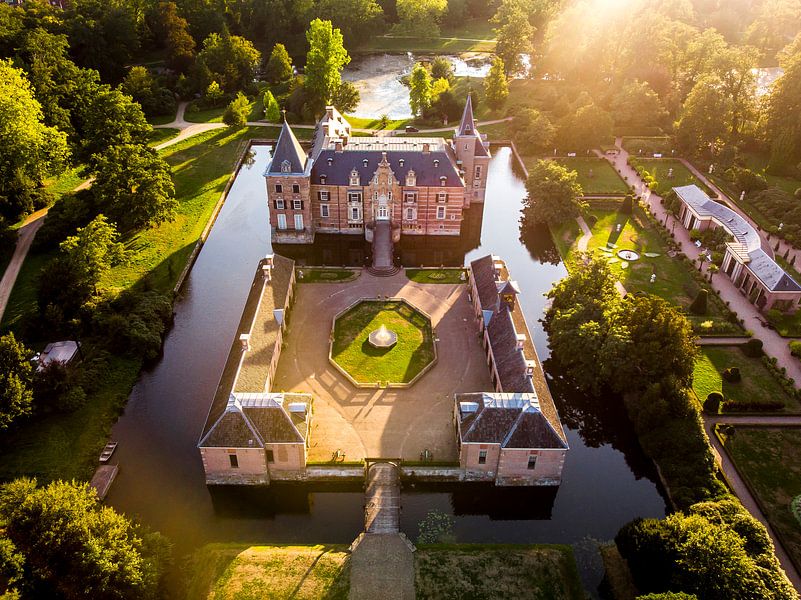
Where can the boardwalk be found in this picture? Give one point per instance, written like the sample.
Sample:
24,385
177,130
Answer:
382,564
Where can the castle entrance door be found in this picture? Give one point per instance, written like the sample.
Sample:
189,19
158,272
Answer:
383,209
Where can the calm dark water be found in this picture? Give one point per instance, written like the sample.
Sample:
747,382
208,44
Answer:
607,481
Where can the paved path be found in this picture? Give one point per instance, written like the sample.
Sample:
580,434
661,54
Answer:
24,240
739,487
721,341
382,246
773,343
584,240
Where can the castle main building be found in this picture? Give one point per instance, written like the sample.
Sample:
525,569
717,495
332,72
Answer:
346,184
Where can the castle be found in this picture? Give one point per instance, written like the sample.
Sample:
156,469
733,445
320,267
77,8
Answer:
351,185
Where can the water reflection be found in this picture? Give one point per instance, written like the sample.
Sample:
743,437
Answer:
606,479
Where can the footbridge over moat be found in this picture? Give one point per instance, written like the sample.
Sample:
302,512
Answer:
382,561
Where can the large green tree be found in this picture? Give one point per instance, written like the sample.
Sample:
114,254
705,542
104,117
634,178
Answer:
324,61
703,120
638,106
133,186
110,118
30,151
419,90
783,114
587,128
179,43
359,20
496,87
16,376
73,547
236,113
554,194
230,60
533,131
420,17
514,33
279,66
92,251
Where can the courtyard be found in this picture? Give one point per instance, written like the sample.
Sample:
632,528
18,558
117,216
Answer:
383,422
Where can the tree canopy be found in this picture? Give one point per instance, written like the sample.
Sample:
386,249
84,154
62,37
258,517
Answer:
496,87
420,17
324,61
16,375
554,194
236,113
279,66
230,60
419,89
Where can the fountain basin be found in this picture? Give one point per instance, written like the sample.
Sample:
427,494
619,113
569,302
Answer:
382,338
628,255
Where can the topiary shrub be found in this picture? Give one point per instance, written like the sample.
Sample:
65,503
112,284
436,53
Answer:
753,348
732,375
795,348
592,220
712,403
701,302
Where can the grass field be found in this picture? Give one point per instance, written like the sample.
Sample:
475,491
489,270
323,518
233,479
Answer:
648,145
758,385
161,135
436,275
399,364
471,36
242,572
759,162
659,169
674,281
214,115
326,275
770,462
68,445
478,572
596,176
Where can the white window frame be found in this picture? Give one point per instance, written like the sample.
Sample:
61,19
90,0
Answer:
410,216
294,186
440,213
279,204
279,189
324,211
354,197
355,213
324,196
442,196
410,197
282,221
478,172
297,204
298,222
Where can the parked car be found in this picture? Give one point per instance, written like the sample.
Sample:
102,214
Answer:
410,129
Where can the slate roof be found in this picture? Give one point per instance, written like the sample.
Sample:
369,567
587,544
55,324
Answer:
258,320
483,273
510,361
253,420
288,148
510,420
748,247
467,126
423,164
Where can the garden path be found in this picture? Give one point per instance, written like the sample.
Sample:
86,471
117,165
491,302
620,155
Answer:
773,344
24,241
584,240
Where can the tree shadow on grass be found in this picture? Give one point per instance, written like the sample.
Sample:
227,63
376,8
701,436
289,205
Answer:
621,219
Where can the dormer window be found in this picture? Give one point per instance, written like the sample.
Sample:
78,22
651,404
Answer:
411,178
436,162
322,179
365,162
330,161
286,167
354,177
443,180
401,161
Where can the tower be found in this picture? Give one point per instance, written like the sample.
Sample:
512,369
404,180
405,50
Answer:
472,156
288,191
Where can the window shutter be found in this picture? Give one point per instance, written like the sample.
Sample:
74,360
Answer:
275,204
301,205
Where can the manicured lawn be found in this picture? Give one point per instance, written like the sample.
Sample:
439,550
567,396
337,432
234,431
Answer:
472,36
161,135
436,275
326,275
648,145
758,385
596,176
366,364
497,571
758,163
770,462
163,119
67,446
242,572
659,169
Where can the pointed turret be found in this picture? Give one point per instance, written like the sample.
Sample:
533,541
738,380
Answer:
467,125
288,156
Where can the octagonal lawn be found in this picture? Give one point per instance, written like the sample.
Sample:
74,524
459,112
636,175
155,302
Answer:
402,362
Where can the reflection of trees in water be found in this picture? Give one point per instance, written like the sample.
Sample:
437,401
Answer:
599,420
539,243
250,158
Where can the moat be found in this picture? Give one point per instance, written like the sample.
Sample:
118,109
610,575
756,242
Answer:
606,481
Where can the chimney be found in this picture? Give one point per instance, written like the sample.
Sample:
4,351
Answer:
426,148
244,339
269,259
329,112
521,339
338,146
530,366
267,271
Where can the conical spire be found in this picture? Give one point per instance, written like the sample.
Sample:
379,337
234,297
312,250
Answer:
288,156
467,126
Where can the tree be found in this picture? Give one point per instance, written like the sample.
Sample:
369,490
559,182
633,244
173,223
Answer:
496,88
533,131
420,17
74,547
272,111
441,68
236,113
589,127
16,375
279,66
419,90
699,306
110,118
359,20
140,84
514,34
230,60
91,252
703,119
637,106
347,97
179,42
554,194
783,115
133,187
324,61
29,150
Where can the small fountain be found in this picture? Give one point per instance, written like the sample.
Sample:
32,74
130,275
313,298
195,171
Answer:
382,338
628,255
